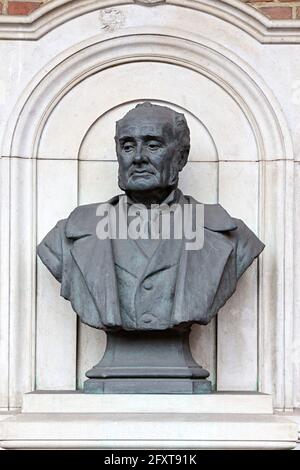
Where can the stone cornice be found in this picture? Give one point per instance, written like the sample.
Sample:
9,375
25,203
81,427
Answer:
243,16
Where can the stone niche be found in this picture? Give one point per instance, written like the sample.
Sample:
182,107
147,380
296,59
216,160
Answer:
71,69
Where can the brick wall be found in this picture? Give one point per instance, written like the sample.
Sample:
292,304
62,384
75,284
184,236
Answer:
275,9
18,7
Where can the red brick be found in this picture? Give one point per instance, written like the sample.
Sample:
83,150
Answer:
22,8
277,13
0,8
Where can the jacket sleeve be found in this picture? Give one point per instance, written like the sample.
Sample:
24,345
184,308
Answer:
50,250
249,247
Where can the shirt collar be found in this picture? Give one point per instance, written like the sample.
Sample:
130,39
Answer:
172,198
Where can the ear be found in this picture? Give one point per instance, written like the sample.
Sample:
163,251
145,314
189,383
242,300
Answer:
183,158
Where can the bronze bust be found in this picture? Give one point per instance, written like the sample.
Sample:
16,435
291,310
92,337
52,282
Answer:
147,291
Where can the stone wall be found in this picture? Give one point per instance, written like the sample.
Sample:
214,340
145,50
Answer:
274,9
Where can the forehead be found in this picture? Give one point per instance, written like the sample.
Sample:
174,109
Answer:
139,126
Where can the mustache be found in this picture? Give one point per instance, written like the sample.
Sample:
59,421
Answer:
135,169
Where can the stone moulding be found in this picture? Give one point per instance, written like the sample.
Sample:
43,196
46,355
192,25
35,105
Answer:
149,3
22,134
244,17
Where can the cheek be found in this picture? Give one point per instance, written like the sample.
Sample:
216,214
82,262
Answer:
162,162
124,164
168,163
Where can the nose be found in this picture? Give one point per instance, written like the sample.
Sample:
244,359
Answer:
139,155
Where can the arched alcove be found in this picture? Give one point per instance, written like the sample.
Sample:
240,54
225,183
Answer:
191,53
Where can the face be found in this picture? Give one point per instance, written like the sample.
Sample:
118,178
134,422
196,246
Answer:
147,151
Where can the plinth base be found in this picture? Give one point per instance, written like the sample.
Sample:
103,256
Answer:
148,386
148,362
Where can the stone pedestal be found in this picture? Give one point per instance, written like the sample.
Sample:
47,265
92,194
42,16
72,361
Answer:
148,362
74,420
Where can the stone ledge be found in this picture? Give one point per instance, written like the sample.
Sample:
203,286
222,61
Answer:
220,402
147,431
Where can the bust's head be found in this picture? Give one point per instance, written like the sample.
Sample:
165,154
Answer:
152,144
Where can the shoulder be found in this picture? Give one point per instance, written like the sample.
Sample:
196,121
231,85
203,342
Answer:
248,245
83,219
216,218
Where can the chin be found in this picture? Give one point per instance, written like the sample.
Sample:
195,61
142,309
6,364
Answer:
142,185
146,188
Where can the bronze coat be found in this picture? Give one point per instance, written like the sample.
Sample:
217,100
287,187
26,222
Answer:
206,278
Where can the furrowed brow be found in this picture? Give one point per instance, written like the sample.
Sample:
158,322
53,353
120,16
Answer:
126,138
153,137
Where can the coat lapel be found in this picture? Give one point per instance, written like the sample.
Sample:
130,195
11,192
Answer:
125,257
166,255
94,259
199,281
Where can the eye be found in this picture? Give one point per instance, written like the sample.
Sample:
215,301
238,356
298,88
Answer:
128,147
154,145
